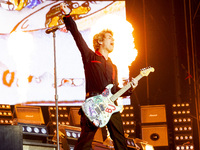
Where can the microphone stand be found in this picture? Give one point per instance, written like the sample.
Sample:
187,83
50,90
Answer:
55,86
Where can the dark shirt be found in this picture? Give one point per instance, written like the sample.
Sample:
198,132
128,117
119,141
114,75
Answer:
99,72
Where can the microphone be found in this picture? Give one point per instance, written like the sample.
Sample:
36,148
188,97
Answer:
53,29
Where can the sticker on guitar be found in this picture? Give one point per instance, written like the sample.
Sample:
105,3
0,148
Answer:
109,110
105,93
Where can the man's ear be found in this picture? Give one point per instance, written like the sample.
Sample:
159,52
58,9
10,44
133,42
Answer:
100,42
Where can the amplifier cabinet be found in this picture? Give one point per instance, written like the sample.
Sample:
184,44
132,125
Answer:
31,147
39,146
29,115
156,135
153,114
74,117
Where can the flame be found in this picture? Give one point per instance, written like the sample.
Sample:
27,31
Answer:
20,46
124,50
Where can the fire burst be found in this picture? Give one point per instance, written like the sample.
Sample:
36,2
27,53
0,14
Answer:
20,46
124,50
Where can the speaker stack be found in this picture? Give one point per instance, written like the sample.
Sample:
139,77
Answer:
34,132
11,137
154,126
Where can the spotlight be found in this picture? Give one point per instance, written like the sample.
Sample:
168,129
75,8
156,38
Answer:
6,116
29,129
149,147
184,147
130,142
128,120
183,131
71,133
62,116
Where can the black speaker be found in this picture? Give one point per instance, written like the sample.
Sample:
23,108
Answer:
11,137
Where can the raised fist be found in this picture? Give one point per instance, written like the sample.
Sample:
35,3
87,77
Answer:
65,10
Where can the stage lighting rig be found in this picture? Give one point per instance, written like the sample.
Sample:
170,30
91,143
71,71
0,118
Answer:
6,116
183,127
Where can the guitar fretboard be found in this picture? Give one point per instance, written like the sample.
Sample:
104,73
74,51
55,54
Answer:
124,89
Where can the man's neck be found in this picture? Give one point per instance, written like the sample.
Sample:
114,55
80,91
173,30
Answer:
104,53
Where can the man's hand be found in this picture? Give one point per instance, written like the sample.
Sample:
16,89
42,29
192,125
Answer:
65,10
134,83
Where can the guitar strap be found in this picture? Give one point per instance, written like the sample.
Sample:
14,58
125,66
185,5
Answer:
113,73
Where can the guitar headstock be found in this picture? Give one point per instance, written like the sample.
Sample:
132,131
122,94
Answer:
146,71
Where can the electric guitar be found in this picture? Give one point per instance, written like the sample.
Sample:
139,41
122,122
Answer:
100,108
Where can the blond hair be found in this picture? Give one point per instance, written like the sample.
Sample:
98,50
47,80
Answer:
99,37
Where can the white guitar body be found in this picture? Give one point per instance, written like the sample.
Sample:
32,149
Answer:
100,108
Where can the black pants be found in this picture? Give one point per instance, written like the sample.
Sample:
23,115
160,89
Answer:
88,131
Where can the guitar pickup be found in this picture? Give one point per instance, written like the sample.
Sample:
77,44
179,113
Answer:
98,110
102,107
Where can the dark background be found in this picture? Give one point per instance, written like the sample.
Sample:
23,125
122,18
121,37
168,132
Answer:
163,32
166,34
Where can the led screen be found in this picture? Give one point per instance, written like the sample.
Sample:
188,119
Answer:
31,61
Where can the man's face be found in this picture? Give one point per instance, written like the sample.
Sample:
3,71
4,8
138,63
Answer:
108,42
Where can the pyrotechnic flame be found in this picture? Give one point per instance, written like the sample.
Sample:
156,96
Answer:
20,46
124,50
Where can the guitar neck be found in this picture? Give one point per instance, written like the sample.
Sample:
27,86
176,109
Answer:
124,89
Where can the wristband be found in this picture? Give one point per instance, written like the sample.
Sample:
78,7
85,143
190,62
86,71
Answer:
67,16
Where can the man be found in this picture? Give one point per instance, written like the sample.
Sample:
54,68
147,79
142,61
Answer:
99,72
